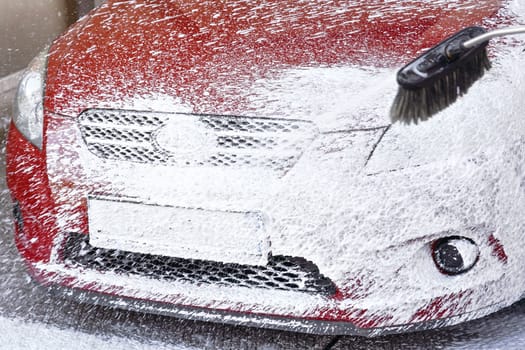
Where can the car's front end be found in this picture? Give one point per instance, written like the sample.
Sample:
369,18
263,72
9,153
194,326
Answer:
247,174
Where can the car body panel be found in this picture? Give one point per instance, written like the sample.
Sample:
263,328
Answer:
202,56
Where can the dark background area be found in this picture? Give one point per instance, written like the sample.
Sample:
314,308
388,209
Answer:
28,25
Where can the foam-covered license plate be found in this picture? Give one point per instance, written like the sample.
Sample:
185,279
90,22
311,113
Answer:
225,236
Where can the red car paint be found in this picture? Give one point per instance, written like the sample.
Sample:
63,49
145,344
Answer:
198,50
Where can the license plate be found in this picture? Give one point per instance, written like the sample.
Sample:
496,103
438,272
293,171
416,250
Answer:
190,233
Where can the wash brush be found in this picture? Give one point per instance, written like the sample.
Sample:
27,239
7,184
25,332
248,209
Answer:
435,80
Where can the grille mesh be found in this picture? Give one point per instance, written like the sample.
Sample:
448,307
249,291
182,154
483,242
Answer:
282,272
113,134
104,117
127,153
231,141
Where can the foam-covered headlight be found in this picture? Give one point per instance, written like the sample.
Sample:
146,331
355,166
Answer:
455,255
28,113
409,146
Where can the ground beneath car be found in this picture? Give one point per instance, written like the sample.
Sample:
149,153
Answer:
30,318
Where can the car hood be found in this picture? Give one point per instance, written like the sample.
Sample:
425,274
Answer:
331,62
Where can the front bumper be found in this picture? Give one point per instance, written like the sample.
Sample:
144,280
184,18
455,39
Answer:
383,277
303,325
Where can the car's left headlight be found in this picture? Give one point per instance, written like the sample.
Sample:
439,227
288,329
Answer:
28,108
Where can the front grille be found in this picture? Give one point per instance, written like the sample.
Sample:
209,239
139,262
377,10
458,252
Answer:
227,141
282,272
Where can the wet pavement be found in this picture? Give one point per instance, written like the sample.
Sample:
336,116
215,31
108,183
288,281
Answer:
24,301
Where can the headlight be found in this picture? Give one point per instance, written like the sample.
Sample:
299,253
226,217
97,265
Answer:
28,109
410,146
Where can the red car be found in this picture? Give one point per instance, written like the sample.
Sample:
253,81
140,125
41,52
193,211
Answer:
233,161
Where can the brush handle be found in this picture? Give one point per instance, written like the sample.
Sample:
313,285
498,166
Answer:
493,34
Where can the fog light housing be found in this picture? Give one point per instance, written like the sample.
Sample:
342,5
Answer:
455,255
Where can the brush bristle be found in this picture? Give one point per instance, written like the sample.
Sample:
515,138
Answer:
414,105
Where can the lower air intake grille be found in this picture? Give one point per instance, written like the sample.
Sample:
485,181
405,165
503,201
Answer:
282,272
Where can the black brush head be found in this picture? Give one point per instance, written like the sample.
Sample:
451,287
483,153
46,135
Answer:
435,80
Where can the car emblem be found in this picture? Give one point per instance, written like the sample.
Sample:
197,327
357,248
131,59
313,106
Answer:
186,136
